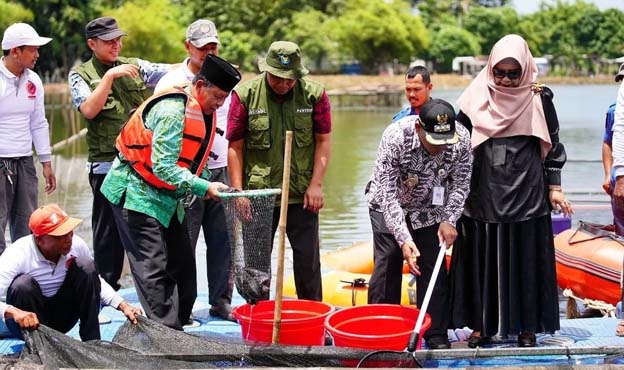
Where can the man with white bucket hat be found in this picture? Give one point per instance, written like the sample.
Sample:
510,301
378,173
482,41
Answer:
22,124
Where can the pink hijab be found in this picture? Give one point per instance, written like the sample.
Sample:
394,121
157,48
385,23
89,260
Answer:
497,111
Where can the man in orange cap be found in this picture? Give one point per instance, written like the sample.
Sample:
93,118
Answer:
50,278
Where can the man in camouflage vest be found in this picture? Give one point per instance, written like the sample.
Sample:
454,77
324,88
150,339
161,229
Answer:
105,89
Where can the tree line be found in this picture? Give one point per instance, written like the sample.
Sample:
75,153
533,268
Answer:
577,36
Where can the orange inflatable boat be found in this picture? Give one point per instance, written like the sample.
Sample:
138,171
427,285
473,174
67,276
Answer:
589,262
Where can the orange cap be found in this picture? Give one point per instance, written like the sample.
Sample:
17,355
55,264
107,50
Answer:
51,220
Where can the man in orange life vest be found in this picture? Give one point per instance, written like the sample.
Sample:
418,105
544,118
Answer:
163,150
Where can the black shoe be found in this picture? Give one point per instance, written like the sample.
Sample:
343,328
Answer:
191,323
526,340
224,312
478,341
438,342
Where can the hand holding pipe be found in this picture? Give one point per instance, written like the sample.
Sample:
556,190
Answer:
411,345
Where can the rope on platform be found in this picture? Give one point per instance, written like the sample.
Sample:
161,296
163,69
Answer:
606,309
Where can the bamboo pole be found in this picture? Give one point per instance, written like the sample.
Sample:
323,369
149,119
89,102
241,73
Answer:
279,283
63,143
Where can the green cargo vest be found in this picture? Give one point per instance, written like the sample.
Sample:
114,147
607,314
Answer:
126,94
264,141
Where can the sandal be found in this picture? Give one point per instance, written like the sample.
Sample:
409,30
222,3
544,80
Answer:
526,340
619,330
475,341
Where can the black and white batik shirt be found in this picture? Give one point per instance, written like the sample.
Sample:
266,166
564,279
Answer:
405,175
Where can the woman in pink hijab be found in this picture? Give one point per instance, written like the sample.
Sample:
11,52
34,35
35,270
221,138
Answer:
503,279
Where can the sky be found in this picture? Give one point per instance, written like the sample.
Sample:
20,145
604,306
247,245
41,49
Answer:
530,6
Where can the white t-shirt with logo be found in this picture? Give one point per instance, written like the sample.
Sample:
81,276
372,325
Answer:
22,116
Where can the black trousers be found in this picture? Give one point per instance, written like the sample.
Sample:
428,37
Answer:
302,229
385,282
163,266
108,250
78,298
209,215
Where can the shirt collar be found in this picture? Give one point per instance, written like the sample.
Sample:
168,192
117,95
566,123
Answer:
187,72
415,138
10,74
41,258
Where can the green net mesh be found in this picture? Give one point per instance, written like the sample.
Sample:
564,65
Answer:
249,217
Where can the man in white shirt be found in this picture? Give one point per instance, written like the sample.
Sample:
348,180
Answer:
202,39
22,123
50,278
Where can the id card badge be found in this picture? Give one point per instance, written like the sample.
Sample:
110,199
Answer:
438,196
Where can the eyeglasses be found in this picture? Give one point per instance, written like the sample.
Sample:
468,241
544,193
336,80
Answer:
511,74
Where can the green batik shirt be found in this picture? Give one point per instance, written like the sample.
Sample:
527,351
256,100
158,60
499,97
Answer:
166,120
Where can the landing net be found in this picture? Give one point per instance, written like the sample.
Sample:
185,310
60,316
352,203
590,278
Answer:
149,345
249,217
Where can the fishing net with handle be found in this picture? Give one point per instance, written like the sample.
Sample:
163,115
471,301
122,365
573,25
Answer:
249,218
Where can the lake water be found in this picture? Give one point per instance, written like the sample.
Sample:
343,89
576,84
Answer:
355,137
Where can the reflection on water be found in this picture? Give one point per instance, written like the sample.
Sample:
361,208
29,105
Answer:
356,135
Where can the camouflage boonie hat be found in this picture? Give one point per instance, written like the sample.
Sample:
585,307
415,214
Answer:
283,60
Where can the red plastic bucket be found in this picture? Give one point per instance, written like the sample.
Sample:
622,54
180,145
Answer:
375,326
302,321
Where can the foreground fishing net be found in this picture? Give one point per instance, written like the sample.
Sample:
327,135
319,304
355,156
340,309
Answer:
249,216
150,345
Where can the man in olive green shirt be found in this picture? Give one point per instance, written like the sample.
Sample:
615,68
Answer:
105,89
159,250
261,111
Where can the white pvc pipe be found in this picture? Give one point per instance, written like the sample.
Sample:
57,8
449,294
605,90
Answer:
411,346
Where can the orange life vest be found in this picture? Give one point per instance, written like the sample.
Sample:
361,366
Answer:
135,139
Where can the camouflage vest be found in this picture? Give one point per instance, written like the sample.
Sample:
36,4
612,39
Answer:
126,94
264,141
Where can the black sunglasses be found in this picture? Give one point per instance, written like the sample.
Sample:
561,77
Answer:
512,74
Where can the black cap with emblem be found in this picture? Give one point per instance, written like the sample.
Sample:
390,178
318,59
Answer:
437,119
